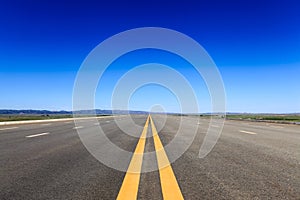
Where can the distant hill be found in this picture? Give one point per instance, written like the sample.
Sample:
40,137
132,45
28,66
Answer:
109,112
63,112
34,112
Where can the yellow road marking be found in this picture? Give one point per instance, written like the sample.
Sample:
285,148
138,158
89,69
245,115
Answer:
130,185
169,185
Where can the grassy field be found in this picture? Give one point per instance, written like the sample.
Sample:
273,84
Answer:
256,117
31,117
288,118
4,118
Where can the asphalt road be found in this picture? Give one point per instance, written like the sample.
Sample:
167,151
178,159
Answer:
252,160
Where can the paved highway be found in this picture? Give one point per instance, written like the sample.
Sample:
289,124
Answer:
252,160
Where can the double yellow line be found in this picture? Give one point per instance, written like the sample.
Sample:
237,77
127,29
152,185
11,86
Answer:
169,185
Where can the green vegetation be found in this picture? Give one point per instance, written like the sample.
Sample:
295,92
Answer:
31,117
289,118
6,117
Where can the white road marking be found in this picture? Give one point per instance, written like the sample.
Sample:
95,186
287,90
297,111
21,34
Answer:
67,122
2,129
96,123
107,121
215,126
78,127
249,132
45,124
36,135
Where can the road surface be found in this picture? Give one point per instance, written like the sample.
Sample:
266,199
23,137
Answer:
252,160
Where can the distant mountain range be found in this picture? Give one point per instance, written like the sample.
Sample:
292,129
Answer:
109,112
63,112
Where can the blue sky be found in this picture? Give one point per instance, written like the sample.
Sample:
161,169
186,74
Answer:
255,44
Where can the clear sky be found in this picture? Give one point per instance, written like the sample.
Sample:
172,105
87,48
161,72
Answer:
255,44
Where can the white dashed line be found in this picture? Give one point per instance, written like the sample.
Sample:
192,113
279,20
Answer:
2,129
107,121
249,132
45,124
36,135
78,127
